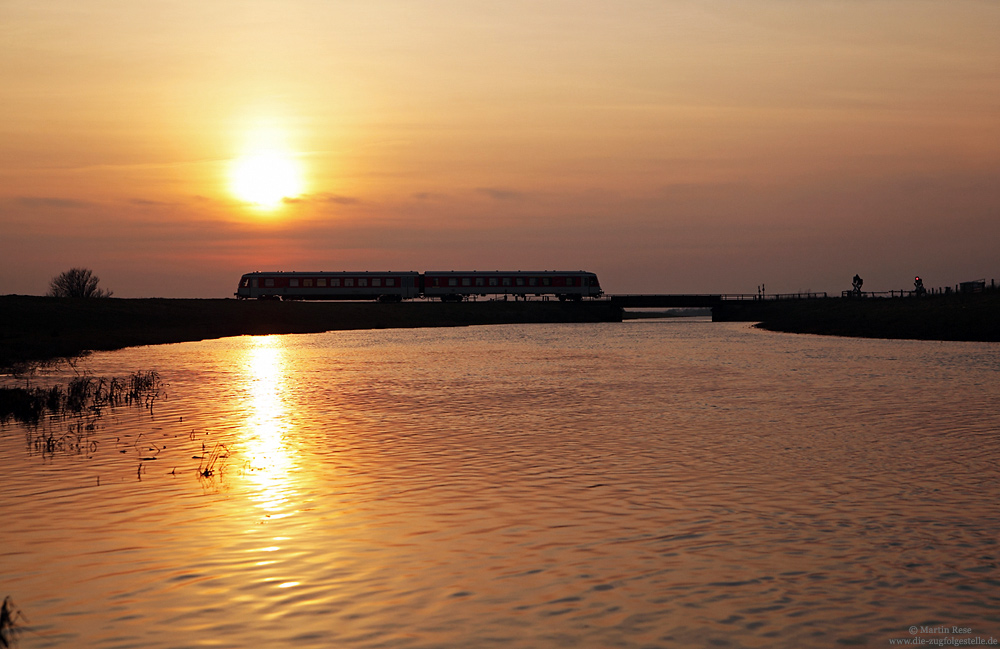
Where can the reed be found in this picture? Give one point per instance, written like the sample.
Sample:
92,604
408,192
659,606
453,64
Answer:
11,619
23,405
83,395
207,466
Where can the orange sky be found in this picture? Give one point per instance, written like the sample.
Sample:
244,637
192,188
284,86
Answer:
687,146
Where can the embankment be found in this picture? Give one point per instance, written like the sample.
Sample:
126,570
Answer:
42,328
974,317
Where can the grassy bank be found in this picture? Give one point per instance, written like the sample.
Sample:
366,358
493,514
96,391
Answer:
939,317
42,328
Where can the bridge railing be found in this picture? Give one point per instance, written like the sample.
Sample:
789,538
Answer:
879,294
773,296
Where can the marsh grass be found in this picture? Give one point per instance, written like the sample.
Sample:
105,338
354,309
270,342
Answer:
23,405
11,620
83,396
83,400
94,394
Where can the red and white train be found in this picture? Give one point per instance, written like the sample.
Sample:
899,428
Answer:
448,286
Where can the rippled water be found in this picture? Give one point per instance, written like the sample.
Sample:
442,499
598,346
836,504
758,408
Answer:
643,484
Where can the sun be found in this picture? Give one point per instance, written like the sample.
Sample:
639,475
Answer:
266,178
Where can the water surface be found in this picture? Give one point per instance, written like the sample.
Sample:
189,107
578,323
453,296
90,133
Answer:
638,484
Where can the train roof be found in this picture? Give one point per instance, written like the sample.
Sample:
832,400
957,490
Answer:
413,272
332,272
506,272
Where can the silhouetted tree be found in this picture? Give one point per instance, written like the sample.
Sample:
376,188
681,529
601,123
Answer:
77,282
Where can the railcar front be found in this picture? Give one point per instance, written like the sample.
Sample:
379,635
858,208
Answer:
362,285
591,286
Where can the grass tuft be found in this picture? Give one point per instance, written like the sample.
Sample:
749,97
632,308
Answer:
207,466
11,619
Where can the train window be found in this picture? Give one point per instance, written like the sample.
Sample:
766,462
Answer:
493,281
569,281
546,281
362,282
307,282
376,281
348,281
519,281
293,282
253,282
269,282
466,281
452,281
532,281
245,283
322,281
506,281
389,281
480,281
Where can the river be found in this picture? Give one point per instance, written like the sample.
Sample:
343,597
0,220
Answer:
666,483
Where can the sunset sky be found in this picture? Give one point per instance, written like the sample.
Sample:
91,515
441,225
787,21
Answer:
669,146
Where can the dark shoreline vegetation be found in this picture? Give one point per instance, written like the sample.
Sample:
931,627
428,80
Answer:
37,329
41,329
955,316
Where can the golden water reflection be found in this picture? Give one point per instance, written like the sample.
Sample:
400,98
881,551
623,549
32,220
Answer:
265,437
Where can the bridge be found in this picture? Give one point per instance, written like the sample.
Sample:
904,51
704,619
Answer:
665,301
686,301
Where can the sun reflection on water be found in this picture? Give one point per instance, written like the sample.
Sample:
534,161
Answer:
269,461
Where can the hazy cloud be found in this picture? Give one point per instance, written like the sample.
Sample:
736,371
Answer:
500,194
143,202
428,196
51,201
323,198
341,200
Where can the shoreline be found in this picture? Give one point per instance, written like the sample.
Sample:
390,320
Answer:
36,329
970,317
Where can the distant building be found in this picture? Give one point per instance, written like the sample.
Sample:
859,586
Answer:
975,286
